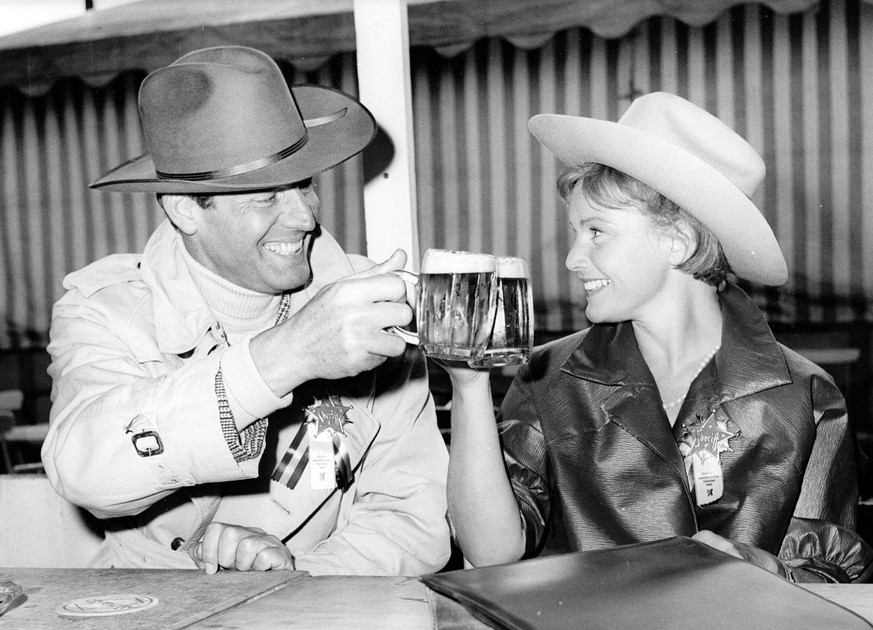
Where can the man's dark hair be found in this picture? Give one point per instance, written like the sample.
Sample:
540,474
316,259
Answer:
204,201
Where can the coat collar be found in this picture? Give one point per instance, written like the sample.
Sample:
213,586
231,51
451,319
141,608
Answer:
748,361
182,318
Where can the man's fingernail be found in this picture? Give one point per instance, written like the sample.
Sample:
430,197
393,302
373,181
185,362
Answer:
210,568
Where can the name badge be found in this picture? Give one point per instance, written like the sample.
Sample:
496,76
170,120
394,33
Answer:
708,478
701,444
322,470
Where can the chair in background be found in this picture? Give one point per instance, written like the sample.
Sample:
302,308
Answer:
15,437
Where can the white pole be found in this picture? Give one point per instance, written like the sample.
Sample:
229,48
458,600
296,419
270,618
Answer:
384,82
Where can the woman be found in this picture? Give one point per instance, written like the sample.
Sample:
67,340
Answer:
676,412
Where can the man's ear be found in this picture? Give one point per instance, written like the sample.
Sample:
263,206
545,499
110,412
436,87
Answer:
183,212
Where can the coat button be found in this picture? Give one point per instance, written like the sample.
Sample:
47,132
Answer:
177,542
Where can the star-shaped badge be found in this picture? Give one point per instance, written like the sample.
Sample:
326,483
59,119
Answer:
328,415
710,436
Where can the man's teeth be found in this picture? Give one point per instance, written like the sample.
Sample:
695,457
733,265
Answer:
593,285
284,249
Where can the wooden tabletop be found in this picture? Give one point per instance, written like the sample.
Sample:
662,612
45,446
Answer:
265,601
183,597
374,603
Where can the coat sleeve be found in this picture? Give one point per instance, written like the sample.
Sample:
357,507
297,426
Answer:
525,454
397,524
109,383
821,543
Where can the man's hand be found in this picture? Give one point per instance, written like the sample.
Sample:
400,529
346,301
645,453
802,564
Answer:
742,551
241,548
341,332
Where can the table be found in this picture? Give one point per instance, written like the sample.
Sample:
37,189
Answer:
407,603
262,601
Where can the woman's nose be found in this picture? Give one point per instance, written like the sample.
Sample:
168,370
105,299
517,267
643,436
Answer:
577,257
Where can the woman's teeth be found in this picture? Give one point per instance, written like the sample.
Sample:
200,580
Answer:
594,285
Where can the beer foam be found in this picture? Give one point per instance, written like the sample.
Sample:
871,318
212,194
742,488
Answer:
448,261
511,267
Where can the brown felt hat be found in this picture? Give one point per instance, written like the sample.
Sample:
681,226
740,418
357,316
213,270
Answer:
223,120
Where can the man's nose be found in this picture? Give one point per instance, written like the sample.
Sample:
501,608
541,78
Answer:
298,209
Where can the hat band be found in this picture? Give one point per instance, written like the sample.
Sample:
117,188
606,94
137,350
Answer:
239,169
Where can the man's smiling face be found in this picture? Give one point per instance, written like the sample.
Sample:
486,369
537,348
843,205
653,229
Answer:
259,241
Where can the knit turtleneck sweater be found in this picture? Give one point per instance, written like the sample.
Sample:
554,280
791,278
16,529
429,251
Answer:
242,312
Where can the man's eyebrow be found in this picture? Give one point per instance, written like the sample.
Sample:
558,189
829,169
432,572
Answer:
303,183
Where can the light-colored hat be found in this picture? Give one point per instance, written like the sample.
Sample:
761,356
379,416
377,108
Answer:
689,156
223,119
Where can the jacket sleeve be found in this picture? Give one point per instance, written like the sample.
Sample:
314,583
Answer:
108,386
821,544
397,523
525,455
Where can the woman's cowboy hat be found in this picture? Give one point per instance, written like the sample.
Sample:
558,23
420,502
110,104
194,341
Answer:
689,156
223,120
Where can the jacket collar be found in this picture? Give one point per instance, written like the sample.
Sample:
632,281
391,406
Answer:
748,361
182,318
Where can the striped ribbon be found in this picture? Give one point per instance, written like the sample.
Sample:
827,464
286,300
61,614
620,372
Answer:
342,463
289,470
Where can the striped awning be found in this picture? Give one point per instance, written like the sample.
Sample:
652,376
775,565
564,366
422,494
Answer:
150,34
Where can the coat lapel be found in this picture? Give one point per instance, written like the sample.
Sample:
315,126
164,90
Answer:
609,357
750,360
298,503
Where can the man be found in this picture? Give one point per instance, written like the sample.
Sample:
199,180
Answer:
231,397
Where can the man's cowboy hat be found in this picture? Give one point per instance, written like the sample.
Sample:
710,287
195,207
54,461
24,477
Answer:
689,156
223,120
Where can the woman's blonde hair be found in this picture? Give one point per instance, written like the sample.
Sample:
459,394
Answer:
607,187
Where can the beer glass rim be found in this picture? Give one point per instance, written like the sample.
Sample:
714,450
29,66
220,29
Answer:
511,267
473,261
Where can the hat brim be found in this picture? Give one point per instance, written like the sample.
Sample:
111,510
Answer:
327,146
748,241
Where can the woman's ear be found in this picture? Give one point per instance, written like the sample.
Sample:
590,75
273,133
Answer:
182,211
681,245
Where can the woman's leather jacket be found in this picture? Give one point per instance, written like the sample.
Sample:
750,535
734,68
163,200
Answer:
594,462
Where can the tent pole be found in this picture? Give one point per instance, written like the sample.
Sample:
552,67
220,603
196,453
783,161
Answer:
385,87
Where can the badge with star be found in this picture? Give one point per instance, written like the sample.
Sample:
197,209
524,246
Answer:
710,436
328,415
701,444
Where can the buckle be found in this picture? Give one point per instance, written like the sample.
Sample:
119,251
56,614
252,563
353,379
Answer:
147,443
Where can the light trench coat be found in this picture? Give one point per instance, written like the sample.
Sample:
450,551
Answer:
135,348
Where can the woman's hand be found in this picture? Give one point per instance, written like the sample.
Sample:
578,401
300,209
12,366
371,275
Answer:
462,375
742,551
241,548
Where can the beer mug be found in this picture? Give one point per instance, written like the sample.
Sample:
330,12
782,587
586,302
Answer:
456,293
511,339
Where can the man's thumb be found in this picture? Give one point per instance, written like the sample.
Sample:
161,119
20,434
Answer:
395,262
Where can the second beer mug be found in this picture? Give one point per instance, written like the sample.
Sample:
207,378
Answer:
511,339
454,309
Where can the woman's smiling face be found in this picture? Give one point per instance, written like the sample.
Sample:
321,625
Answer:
620,257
